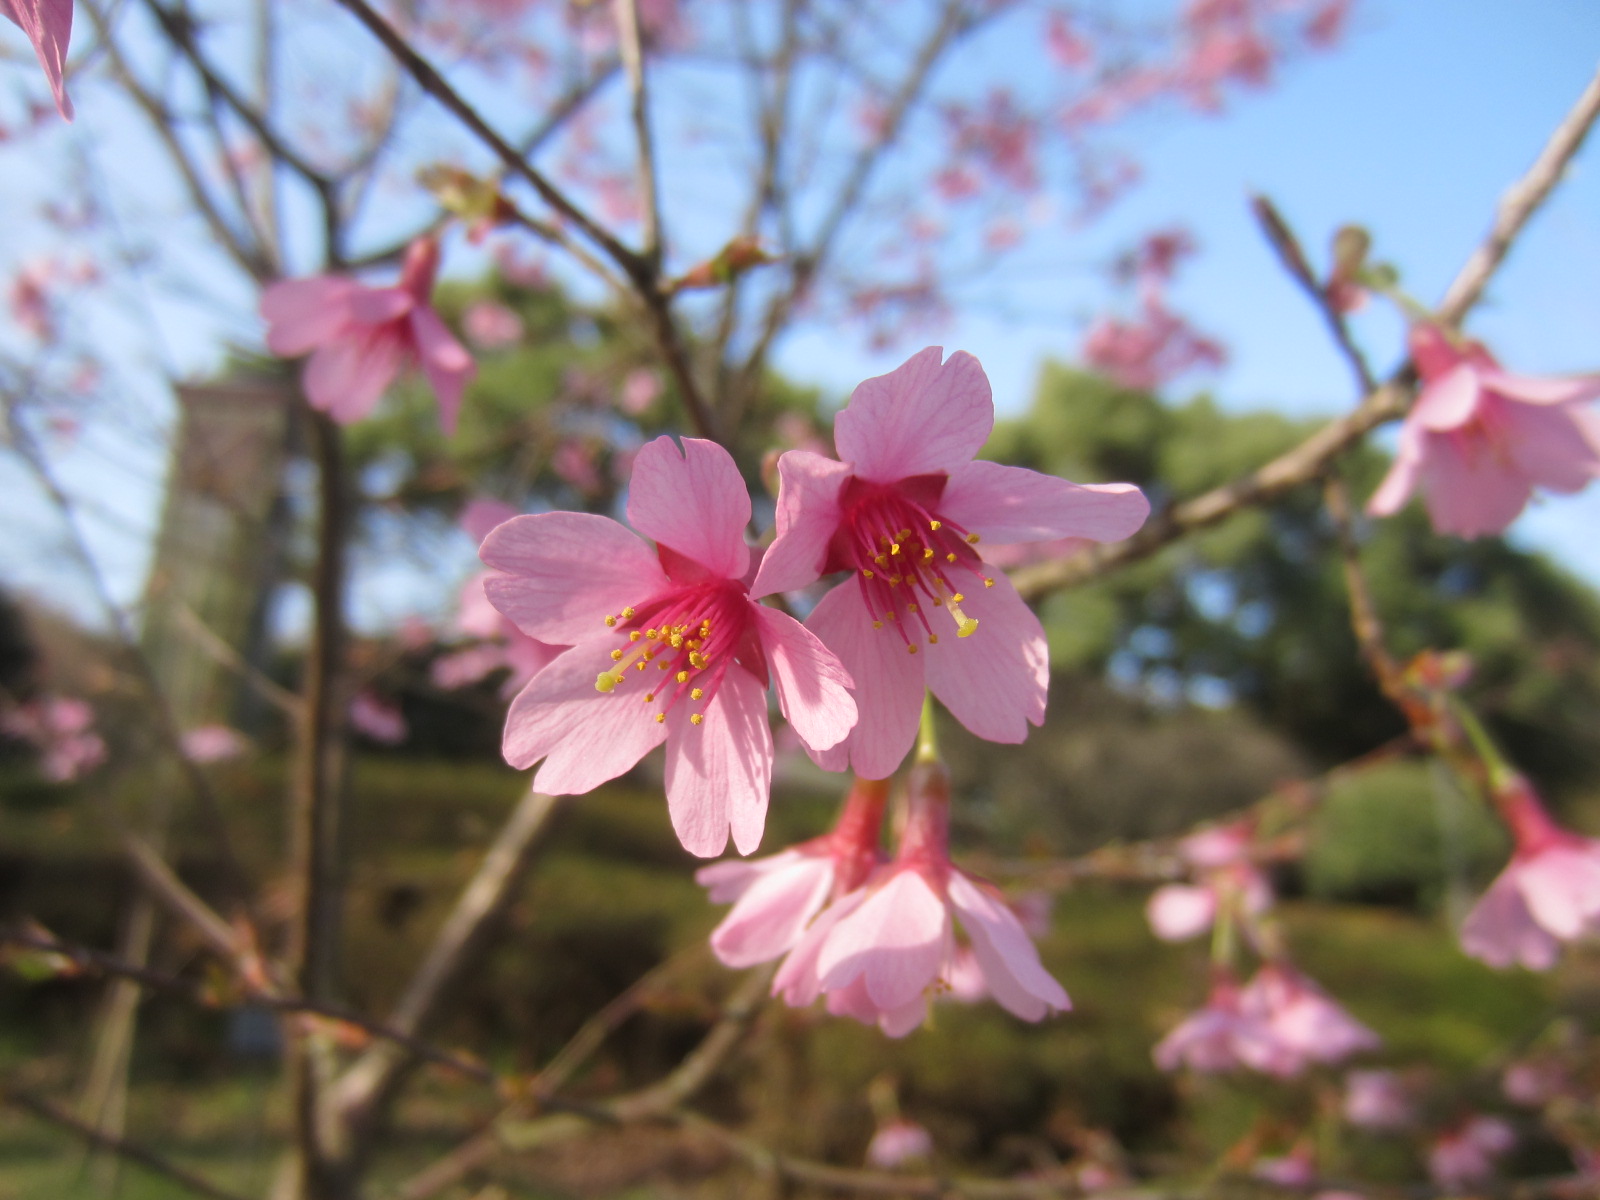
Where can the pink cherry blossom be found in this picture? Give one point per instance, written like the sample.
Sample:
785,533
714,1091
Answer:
775,898
1308,1024
1465,1155
1377,1100
1223,1035
491,326
903,514
1150,350
360,338
898,1142
881,951
212,743
1226,876
1479,440
48,24
378,719
667,646
61,729
1295,1169
1548,894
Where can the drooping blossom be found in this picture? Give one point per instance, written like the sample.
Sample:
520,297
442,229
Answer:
898,1142
775,898
61,729
1466,1154
360,338
48,24
1308,1024
1377,1100
1226,879
1549,893
378,719
904,513
1479,440
1279,1024
667,646
880,952
212,743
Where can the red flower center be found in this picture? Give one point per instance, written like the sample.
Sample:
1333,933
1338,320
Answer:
678,645
906,556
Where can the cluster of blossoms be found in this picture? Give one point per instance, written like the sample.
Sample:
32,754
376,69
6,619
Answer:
61,729
876,935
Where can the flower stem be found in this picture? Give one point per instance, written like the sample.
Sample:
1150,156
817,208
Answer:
928,733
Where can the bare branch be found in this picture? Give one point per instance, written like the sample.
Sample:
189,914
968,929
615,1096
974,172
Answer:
122,1147
630,41
1520,202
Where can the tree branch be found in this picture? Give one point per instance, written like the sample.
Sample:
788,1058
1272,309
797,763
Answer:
630,41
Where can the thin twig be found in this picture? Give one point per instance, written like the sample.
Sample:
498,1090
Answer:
630,42
122,1147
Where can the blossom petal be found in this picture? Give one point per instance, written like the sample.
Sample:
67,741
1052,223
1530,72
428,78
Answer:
692,501
808,514
48,24
1555,448
719,773
1007,955
1560,389
797,980
888,684
1471,497
995,681
1404,472
347,378
565,572
584,736
1561,886
301,314
773,912
445,361
896,941
1501,931
813,686
1449,401
1012,504
381,305
1180,911
924,416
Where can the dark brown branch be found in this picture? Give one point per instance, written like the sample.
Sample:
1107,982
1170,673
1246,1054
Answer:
121,1147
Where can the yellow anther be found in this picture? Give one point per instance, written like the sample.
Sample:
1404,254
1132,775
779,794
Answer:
639,666
650,633
610,620
866,574
938,601
877,624
649,697
616,656
895,549
889,616
957,598
696,718
972,539
934,525
628,614
903,534
696,694
683,677
696,659
912,648
660,717
881,559
951,557
894,581
635,636
987,582
677,641
605,681
911,608
665,666
933,639
927,553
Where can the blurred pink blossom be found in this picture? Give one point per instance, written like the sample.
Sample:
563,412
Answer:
61,729
640,389
1466,1154
897,1143
1226,878
1377,1100
490,325
212,743
378,719
48,24
1150,350
1479,440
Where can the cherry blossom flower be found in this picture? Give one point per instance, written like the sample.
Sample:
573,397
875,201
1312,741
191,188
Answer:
879,952
1533,1083
1548,894
1223,1035
360,337
667,646
491,326
1227,877
1308,1024
1295,1169
48,24
1376,1100
1478,440
903,513
897,1143
212,743
61,729
1465,1155
1150,350
378,719
775,898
